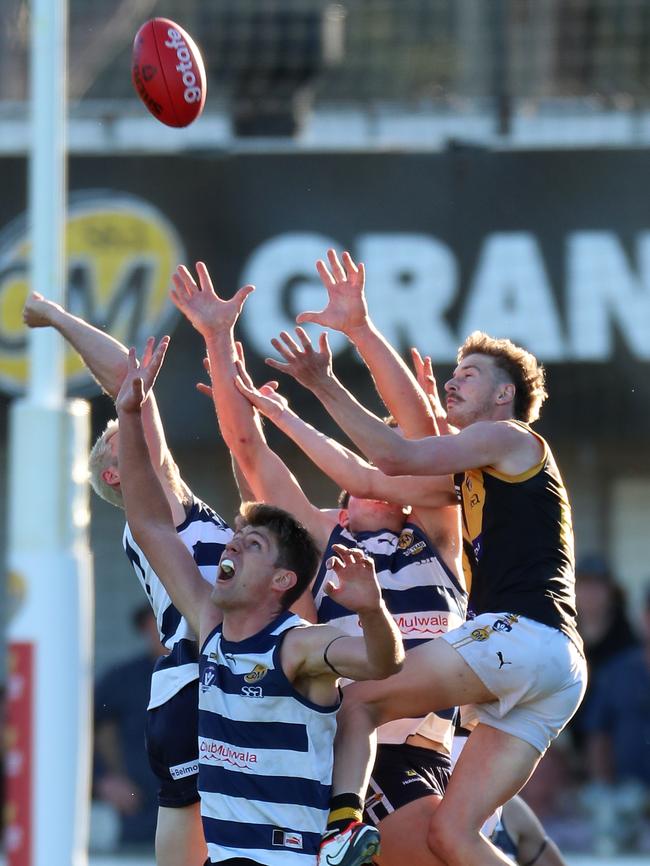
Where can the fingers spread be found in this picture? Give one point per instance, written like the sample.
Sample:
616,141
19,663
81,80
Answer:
335,265
204,277
323,272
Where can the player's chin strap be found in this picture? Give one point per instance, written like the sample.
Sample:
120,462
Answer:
327,661
542,848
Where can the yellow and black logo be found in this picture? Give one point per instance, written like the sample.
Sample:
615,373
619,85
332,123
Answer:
258,673
120,254
406,539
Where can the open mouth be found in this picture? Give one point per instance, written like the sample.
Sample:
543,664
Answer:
226,569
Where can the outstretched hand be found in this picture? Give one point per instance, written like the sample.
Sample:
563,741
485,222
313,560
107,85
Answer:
358,588
201,305
141,377
266,389
265,399
305,364
346,307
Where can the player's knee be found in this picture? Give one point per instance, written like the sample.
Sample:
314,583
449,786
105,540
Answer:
359,709
442,838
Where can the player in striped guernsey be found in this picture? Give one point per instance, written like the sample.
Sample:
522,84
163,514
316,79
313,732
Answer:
518,522
417,561
172,713
267,678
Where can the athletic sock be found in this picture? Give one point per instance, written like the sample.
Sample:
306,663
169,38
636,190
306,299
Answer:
344,808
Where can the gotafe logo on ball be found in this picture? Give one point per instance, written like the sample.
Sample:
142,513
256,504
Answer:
185,67
120,254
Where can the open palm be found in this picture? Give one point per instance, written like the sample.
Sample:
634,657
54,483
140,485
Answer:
346,306
201,305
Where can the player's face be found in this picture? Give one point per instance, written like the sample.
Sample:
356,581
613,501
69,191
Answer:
371,515
471,391
252,553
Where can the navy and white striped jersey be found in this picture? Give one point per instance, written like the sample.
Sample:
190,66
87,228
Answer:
421,592
265,753
204,534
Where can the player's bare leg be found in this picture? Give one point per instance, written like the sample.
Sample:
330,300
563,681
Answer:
179,837
404,835
492,767
434,677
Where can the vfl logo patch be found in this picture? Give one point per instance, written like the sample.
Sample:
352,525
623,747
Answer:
208,677
258,673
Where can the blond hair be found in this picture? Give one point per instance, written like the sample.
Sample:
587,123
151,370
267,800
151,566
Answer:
521,368
101,458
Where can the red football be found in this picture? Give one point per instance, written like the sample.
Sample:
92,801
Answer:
168,72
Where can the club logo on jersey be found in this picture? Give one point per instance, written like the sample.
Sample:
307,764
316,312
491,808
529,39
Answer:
481,634
406,539
258,673
120,251
208,677
406,545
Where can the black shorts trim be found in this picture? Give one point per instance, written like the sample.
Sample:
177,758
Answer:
401,775
173,742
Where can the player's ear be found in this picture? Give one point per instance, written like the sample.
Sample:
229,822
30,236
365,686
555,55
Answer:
284,579
506,393
344,518
111,476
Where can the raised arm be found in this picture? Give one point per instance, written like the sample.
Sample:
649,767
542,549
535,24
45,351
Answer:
268,477
347,311
147,510
323,650
480,444
346,468
105,357
107,360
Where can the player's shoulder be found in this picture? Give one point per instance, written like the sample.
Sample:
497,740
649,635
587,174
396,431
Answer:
198,512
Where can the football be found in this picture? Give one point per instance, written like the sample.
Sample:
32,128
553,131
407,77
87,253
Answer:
168,72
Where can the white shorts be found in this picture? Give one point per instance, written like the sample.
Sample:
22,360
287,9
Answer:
537,674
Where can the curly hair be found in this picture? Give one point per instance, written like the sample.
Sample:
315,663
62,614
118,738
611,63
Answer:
520,367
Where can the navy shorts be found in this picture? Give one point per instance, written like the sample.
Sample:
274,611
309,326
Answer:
402,774
173,747
236,861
